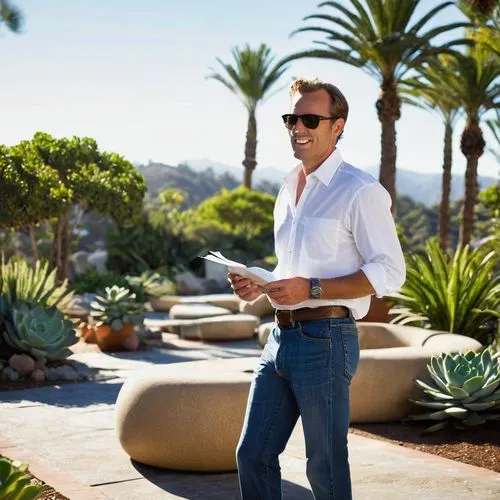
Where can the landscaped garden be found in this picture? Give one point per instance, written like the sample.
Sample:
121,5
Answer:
94,259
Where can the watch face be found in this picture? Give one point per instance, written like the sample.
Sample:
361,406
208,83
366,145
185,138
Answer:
316,292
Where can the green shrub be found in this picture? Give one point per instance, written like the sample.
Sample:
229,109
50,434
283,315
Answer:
459,294
15,482
464,390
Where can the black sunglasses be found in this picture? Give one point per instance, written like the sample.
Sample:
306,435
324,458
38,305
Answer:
309,121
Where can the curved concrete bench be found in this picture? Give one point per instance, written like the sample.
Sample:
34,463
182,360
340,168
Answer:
260,307
225,300
228,327
196,311
185,416
263,332
188,416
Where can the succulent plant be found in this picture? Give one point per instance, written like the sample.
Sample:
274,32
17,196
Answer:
153,284
15,483
465,390
42,332
116,307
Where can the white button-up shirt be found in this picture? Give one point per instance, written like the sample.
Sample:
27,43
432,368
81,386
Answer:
341,224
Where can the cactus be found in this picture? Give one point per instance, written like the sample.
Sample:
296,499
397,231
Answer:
15,483
42,332
465,390
116,307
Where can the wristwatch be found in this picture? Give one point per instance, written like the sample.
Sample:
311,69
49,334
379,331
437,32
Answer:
315,288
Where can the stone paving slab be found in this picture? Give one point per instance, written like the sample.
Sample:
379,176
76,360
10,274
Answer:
72,427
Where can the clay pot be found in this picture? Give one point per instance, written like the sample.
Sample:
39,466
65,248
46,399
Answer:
112,340
87,333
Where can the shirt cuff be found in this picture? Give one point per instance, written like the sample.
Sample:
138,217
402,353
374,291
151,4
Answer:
377,277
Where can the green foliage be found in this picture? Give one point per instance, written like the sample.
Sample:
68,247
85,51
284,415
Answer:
464,390
19,282
10,16
42,332
152,283
116,308
91,281
15,482
252,76
460,295
31,191
146,246
240,212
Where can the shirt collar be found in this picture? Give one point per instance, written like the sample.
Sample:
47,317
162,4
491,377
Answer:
324,173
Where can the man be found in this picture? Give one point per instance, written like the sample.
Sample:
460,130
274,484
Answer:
336,244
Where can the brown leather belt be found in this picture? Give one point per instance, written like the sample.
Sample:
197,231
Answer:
285,318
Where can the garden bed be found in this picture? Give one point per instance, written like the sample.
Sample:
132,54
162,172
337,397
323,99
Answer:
478,446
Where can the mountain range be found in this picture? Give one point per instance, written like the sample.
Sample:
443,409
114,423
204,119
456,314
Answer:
420,187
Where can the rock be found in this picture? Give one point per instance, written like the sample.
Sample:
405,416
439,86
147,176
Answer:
40,364
189,284
22,363
131,343
10,374
64,372
38,375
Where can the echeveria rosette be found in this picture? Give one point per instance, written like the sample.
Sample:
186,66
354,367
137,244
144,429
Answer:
42,332
116,307
465,390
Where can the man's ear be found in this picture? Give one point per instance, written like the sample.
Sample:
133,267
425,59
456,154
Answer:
339,126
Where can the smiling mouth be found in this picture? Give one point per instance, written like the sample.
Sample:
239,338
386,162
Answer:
301,142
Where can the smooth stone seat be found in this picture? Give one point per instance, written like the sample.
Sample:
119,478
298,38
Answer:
188,416
260,307
263,332
195,311
392,356
225,300
227,327
185,416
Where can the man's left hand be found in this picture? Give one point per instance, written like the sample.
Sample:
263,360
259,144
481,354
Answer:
290,291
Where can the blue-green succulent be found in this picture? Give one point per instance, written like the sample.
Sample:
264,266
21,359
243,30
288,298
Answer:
42,332
465,390
116,308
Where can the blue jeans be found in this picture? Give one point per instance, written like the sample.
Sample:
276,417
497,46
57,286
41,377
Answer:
304,370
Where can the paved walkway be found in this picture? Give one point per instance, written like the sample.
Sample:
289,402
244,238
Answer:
66,434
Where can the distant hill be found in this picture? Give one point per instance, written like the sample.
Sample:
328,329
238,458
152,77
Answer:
202,178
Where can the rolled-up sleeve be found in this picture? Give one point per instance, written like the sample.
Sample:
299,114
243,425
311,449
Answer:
375,235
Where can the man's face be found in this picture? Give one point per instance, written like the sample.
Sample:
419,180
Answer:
313,146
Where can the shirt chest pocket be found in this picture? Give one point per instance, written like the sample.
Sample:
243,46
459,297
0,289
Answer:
320,238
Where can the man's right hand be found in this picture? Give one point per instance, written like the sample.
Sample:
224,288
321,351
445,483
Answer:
244,288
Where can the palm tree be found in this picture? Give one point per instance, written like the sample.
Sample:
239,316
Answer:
250,79
10,16
476,88
432,93
382,38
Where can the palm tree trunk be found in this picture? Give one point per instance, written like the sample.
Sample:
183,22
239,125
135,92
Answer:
472,146
444,208
250,161
389,110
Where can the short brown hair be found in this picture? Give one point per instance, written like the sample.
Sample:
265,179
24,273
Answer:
339,107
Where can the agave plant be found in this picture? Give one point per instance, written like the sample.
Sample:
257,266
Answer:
465,390
15,483
459,295
116,307
42,332
19,282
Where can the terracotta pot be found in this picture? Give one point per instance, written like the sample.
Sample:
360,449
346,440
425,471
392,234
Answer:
87,333
110,340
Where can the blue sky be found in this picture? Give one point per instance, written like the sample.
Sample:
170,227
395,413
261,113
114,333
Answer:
131,74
